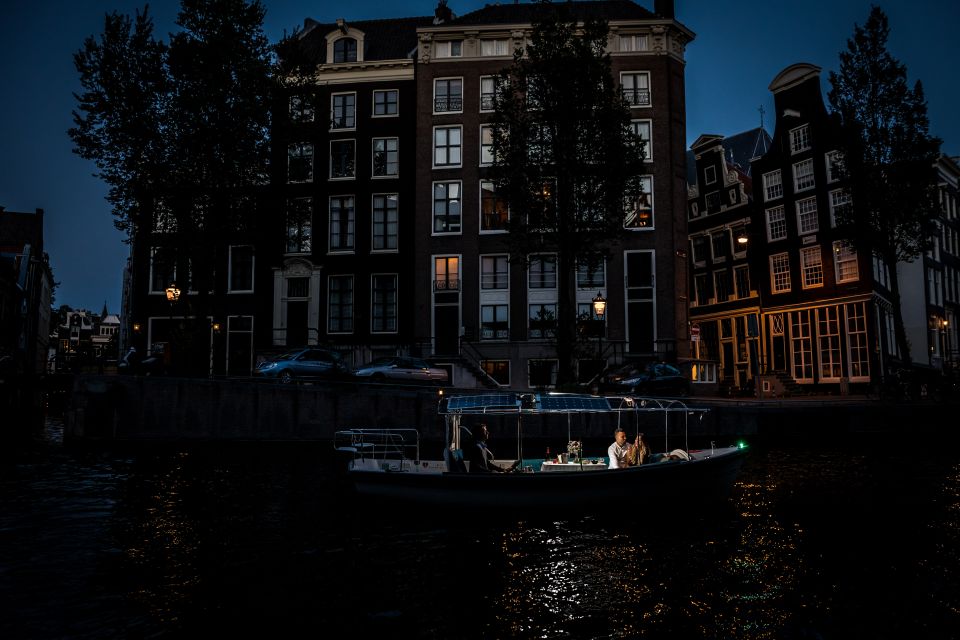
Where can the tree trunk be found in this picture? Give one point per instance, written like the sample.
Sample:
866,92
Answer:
900,332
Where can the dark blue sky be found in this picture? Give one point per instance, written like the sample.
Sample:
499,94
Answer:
740,46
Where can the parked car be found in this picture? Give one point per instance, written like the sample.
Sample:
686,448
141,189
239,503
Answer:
401,369
307,363
651,379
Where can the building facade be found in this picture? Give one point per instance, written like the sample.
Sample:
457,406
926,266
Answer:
474,306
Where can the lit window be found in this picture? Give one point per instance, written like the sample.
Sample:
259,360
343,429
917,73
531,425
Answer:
494,213
639,208
845,260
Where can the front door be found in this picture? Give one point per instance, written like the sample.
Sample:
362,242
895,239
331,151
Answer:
446,323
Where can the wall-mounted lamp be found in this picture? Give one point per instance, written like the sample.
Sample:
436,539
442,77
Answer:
136,327
599,306
216,327
742,238
173,293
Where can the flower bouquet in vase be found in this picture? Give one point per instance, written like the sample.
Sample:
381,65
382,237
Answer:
574,450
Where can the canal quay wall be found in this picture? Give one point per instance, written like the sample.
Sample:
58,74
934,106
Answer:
126,408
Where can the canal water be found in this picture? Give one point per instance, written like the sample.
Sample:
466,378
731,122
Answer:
851,539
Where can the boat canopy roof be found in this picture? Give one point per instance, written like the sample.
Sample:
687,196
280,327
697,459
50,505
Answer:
556,403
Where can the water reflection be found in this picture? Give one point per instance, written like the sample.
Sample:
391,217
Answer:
261,539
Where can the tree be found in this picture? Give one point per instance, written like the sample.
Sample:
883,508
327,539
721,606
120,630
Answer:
889,156
121,113
180,134
565,158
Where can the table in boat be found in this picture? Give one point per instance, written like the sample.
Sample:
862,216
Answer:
553,465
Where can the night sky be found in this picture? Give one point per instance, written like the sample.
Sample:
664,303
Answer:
739,48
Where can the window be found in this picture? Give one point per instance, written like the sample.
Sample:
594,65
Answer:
449,49
720,245
772,185
163,269
340,304
541,373
712,202
741,280
499,370
494,322
857,349
828,337
807,221
643,130
780,272
447,273
591,274
542,214
721,285
710,175
446,207
540,144
386,158
634,42
341,223
542,272
494,47
639,208
834,160
299,225
342,159
776,224
301,109
383,305
447,145
494,213
343,111
385,222
701,290
811,267
700,245
486,144
241,269
800,139
345,50
488,93
385,103
801,346
841,206
803,175
447,95
636,88
300,162
494,272
542,321
845,262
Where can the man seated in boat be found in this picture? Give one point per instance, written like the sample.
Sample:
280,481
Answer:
619,451
481,458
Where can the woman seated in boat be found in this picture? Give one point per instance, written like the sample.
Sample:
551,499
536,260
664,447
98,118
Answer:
640,452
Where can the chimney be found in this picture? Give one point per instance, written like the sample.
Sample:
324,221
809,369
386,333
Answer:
442,13
664,8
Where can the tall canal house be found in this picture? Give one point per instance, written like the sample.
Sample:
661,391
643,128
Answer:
780,301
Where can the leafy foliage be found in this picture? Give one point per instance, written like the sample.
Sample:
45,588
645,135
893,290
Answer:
889,155
565,156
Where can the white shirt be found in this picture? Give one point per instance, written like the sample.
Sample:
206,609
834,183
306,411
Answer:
618,456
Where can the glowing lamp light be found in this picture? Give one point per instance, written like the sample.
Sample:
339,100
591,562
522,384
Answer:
136,327
599,305
173,293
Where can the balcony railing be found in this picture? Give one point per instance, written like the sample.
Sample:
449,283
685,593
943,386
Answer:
637,97
448,103
448,284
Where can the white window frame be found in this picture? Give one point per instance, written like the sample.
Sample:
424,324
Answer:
353,304
351,225
781,261
385,224
838,198
486,147
433,212
830,159
386,103
347,117
634,94
494,277
448,80
648,191
772,185
353,141
803,176
637,126
481,200
633,42
709,174
811,264
494,47
373,155
396,304
808,219
446,49
844,254
492,94
459,147
799,139
253,269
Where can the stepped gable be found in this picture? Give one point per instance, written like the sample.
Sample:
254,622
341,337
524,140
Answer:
531,12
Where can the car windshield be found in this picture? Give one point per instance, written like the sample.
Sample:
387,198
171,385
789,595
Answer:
416,364
379,362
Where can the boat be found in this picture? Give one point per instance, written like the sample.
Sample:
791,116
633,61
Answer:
387,463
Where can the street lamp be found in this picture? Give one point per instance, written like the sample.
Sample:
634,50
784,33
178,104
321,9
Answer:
599,309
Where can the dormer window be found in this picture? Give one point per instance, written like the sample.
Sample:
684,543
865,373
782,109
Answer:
710,174
345,50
